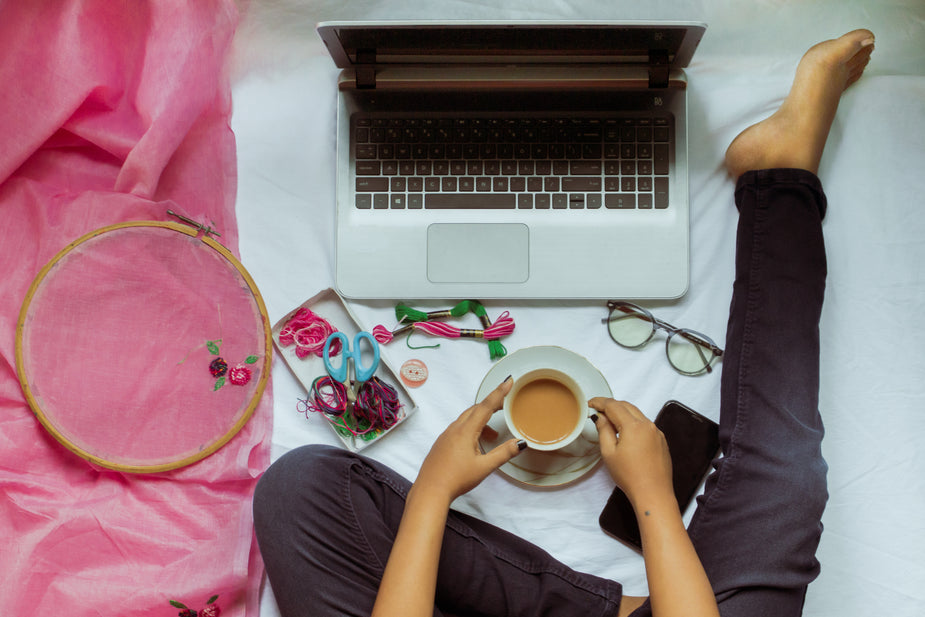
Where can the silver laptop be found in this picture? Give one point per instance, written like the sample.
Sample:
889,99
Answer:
512,160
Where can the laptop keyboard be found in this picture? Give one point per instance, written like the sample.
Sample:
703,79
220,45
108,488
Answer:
471,162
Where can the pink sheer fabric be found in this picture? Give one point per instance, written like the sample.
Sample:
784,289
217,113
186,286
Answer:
114,112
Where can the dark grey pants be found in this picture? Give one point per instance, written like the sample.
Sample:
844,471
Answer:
326,519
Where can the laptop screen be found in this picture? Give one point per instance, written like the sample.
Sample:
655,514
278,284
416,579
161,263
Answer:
399,43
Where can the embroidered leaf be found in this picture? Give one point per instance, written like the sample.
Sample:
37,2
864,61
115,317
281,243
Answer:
176,604
251,359
212,346
219,383
212,599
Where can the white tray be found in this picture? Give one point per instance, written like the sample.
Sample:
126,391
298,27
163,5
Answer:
329,305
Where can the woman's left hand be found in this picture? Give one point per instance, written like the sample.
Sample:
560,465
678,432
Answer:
455,465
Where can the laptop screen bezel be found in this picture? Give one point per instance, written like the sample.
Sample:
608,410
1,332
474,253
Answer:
399,43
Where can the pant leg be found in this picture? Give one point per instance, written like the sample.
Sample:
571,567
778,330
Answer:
757,526
326,520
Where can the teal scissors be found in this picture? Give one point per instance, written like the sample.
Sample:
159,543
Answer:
341,373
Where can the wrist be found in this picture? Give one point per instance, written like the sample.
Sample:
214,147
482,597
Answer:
655,500
429,495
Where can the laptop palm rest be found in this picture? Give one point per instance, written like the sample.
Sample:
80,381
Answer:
478,253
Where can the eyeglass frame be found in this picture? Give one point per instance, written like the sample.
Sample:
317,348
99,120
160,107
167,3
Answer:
702,340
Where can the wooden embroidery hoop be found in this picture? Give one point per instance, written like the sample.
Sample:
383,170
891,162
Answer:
201,234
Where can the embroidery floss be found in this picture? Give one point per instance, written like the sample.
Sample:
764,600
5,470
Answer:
502,327
376,409
327,396
406,314
377,405
426,322
308,332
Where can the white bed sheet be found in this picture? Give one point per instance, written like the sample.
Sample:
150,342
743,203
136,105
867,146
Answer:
873,365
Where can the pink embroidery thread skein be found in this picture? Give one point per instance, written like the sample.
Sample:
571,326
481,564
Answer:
502,327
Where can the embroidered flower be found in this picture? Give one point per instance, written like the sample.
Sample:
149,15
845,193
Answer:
239,375
218,367
211,610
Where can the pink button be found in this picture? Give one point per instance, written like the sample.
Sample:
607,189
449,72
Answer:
413,373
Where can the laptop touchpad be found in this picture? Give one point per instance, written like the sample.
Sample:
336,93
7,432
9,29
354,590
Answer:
478,253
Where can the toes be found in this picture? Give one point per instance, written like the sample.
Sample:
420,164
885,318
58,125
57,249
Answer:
859,38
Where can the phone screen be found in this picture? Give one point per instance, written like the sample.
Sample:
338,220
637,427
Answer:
693,442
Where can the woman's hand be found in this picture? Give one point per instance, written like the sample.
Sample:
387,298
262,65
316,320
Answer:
633,449
636,455
455,465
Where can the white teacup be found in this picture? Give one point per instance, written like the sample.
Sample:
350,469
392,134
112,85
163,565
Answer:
546,408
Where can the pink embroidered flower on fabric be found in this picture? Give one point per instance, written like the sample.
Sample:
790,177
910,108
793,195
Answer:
211,609
239,375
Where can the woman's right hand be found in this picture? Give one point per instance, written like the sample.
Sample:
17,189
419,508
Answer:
633,448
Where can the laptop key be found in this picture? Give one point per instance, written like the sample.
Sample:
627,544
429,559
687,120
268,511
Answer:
620,201
581,183
661,159
586,168
366,151
368,168
470,201
372,185
661,193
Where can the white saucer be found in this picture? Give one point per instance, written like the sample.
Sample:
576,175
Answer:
558,467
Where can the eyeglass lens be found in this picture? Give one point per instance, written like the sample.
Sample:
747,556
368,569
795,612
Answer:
629,327
688,354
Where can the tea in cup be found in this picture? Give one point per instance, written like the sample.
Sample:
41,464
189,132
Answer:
546,408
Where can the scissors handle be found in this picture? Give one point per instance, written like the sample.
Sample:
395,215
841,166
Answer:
363,373
341,373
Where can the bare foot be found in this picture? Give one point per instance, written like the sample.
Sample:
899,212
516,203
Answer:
794,136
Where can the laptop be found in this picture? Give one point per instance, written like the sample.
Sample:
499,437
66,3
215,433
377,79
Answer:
512,160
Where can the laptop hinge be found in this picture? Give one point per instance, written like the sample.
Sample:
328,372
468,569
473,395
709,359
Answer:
658,68
366,68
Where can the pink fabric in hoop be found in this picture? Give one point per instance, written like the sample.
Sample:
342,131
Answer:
116,112
117,338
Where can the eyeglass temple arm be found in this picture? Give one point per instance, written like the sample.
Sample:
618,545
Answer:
701,343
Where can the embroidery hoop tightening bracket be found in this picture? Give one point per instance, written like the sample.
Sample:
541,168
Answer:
205,229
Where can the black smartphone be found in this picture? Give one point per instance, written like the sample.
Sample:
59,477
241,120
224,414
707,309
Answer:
693,442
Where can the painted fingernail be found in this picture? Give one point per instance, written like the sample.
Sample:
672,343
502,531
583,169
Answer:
522,444
593,418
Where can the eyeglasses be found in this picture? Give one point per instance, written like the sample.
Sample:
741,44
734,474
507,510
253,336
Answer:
689,352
